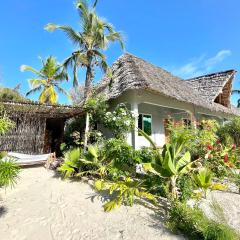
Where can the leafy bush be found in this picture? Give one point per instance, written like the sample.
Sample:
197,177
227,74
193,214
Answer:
185,186
73,134
72,163
123,155
123,192
5,125
97,108
9,171
203,179
195,140
8,94
231,130
120,121
193,223
147,154
171,164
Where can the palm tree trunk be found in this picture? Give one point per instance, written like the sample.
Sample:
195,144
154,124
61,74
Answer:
87,93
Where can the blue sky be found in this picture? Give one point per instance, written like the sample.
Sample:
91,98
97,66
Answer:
185,37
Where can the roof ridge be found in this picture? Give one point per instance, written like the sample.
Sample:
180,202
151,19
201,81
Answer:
212,74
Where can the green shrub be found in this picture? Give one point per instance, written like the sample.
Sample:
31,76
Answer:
195,140
194,224
220,231
123,192
73,134
186,187
123,155
120,121
147,154
230,131
71,164
8,94
9,171
203,179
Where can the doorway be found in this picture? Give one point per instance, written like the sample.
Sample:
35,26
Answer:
54,135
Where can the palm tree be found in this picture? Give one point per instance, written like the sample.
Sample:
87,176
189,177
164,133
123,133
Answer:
93,38
237,92
47,80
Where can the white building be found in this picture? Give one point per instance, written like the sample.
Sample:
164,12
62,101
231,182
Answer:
154,95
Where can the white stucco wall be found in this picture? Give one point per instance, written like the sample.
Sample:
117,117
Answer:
160,107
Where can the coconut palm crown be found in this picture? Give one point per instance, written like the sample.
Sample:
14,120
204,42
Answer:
93,38
47,80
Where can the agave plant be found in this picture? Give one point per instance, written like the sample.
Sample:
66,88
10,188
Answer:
170,163
203,179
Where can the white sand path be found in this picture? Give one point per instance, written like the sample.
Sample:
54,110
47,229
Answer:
43,207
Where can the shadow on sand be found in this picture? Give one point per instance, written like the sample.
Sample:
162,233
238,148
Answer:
3,211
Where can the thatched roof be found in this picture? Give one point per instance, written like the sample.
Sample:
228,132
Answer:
44,110
215,85
131,72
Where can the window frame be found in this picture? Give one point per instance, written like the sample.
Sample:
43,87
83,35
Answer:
145,114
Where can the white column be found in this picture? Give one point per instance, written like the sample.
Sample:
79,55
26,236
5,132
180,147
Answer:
134,109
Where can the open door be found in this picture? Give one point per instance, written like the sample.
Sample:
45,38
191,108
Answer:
54,135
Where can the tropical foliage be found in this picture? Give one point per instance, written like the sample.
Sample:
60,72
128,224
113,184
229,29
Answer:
47,80
8,94
8,169
123,191
93,38
8,173
203,179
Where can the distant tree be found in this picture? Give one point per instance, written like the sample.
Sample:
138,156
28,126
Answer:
77,94
93,38
47,80
8,94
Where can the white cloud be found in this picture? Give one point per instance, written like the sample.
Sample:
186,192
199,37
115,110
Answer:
219,57
201,65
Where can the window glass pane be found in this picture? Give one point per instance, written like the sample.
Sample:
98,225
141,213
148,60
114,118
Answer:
147,124
140,121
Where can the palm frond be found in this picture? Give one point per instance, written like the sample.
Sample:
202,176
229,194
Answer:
34,82
74,36
236,91
95,4
68,62
61,90
116,37
104,66
238,103
62,76
36,89
75,78
24,68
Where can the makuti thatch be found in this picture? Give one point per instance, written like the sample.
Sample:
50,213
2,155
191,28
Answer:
130,72
38,127
215,87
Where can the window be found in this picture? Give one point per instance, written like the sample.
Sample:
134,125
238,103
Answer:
187,122
145,123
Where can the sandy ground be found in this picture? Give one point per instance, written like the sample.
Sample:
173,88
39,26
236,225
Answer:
43,207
